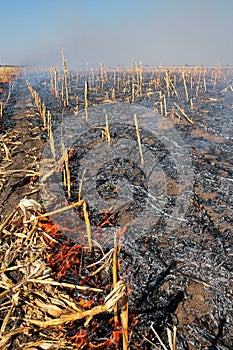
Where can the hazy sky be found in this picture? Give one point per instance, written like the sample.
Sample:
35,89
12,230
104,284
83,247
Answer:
32,32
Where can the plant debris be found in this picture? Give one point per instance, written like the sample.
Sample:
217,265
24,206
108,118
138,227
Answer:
160,290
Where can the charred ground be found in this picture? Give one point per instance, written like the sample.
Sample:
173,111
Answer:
181,278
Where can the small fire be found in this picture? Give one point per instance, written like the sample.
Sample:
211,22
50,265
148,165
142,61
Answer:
80,338
74,262
48,226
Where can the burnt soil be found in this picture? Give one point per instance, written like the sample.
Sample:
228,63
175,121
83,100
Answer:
181,278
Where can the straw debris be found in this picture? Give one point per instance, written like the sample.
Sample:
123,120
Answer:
37,308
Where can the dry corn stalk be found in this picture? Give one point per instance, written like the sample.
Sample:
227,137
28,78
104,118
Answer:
139,139
115,275
81,186
158,337
185,87
64,62
191,104
88,225
51,282
67,172
165,105
125,321
204,79
55,82
49,123
172,337
60,210
184,114
113,94
174,89
167,79
76,105
86,93
107,133
140,79
102,76
51,142
118,84
133,87
43,114
86,99
161,102
114,78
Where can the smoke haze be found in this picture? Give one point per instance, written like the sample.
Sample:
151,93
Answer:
166,32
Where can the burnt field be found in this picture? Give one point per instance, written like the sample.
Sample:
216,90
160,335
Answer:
124,240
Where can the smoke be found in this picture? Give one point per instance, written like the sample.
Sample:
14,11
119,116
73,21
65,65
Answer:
44,56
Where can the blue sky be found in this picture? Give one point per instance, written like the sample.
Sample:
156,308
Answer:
32,32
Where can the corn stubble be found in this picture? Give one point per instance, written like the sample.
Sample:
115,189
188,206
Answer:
46,302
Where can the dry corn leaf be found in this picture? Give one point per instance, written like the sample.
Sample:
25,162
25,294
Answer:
28,204
45,344
69,302
51,309
112,298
